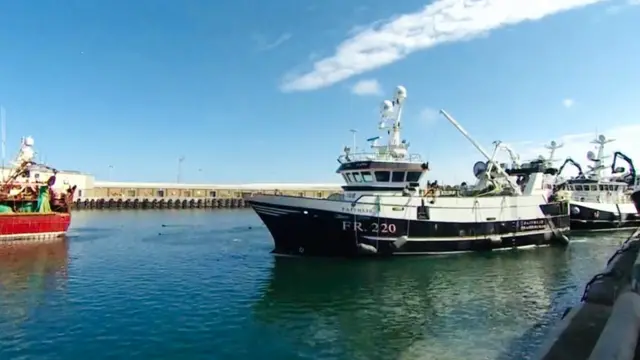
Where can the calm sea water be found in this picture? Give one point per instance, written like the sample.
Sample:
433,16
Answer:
206,287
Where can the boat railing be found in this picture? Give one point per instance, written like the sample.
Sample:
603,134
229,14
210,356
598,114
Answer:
409,158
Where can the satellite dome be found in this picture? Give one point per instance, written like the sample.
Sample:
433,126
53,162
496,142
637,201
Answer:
479,168
401,92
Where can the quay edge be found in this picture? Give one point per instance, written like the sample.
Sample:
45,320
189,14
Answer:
606,323
129,195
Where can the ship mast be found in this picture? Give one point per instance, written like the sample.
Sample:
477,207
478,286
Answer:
391,111
552,147
598,165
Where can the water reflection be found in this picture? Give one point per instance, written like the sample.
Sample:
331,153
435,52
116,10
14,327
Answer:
414,308
28,272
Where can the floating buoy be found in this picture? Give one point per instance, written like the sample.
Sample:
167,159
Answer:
400,241
367,249
495,240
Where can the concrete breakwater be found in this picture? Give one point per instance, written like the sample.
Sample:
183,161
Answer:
125,195
605,325
100,204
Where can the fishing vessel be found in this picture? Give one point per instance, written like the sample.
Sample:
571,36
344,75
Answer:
30,209
600,202
388,207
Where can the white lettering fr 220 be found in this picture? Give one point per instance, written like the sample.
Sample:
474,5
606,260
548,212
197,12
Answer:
382,228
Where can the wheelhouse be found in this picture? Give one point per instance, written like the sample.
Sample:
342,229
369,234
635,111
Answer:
381,176
600,191
586,185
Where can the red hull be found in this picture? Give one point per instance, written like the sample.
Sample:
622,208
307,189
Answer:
33,225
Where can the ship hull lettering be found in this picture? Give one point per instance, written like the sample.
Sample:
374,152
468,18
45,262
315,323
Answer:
313,232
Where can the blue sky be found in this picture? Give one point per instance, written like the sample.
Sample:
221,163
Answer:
254,91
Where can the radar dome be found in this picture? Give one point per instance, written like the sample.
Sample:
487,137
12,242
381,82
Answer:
28,141
602,138
479,168
591,156
386,108
401,93
553,143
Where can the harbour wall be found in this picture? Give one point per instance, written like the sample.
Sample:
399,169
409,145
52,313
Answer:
129,195
605,325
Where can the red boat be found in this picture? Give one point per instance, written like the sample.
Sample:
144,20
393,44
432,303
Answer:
30,209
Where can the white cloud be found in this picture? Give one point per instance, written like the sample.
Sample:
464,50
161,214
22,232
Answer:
616,8
439,22
568,103
263,44
367,87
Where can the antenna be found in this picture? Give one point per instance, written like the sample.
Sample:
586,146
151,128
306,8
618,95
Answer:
354,132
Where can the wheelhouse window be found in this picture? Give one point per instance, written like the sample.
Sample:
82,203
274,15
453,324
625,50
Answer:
346,179
357,177
397,176
413,176
366,176
593,187
349,178
603,187
579,187
383,176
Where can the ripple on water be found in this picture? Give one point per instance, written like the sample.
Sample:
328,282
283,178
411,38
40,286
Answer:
207,288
